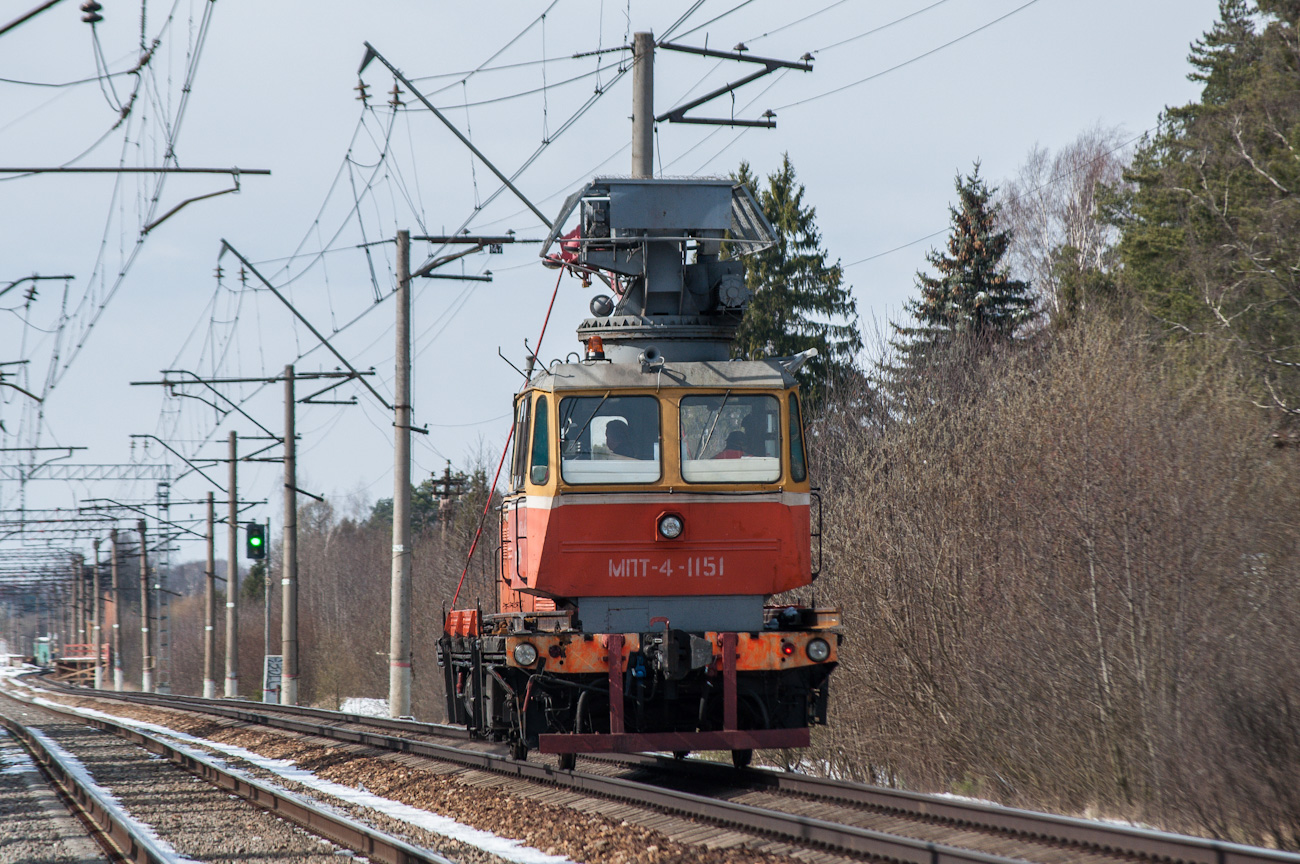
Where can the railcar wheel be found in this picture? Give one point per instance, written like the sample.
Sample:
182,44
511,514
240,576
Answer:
742,758
568,761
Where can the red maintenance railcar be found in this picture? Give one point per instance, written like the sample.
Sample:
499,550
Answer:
658,499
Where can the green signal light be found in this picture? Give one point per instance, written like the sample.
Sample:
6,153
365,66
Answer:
255,541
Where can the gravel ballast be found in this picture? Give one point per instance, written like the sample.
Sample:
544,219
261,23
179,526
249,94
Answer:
34,824
199,821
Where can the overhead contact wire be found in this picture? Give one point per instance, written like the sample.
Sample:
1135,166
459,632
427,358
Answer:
910,61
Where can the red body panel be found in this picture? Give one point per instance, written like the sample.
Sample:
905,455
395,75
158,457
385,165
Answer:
730,545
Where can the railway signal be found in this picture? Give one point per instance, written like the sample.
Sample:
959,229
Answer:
255,541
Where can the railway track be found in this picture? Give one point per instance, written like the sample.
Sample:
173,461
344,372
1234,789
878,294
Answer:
55,826
124,837
844,819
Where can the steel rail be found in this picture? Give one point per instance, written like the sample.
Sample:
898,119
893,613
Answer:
359,838
1142,842
106,821
1123,839
201,704
803,830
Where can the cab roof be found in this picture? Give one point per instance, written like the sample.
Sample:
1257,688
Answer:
718,374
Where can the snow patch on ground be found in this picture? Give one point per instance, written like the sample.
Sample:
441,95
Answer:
364,706
110,802
969,800
502,847
15,761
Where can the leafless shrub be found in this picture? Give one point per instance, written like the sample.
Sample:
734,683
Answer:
1070,582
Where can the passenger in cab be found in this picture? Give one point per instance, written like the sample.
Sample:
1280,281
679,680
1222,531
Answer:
736,447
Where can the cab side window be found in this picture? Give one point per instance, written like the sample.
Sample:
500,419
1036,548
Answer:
519,458
540,471
798,459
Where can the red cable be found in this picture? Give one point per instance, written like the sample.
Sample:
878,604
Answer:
495,477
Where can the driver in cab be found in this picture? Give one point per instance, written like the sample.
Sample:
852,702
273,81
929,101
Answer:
618,440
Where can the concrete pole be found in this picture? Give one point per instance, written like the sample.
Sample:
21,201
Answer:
289,544
83,594
210,608
78,602
83,601
65,603
118,677
232,576
146,652
95,623
399,624
643,104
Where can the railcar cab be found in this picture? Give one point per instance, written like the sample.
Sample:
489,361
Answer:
682,480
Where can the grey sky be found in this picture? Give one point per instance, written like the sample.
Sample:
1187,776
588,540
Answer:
274,89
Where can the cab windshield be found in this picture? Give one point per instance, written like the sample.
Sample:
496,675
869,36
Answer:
609,439
729,438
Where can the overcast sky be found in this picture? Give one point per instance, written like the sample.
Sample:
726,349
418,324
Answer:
904,94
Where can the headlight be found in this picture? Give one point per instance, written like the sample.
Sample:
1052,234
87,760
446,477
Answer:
526,654
818,650
671,526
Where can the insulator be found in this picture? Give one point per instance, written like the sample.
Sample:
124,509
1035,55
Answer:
363,89
92,18
396,93
91,8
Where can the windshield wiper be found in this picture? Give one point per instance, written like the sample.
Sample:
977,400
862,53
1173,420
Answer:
714,425
591,417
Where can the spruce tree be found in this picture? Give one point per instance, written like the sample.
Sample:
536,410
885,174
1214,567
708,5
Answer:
1210,222
1225,60
800,299
972,295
